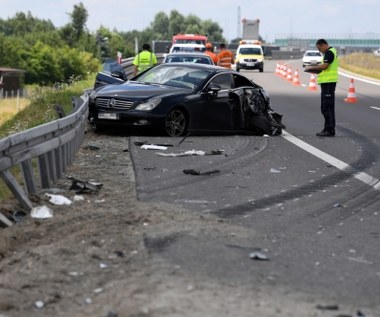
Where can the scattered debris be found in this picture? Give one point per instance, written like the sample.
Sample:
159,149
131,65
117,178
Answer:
360,260
103,265
92,147
39,304
273,170
153,147
257,255
41,212
360,314
338,205
192,152
59,200
78,198
195,172
328,307
83,187
183,139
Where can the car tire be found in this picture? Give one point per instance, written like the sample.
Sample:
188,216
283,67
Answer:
260,125
261,69
176,123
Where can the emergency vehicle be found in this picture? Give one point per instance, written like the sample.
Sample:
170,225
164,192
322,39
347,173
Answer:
189,39
249,55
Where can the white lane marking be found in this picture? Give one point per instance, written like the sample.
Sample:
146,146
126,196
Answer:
363,177
359,78
376,108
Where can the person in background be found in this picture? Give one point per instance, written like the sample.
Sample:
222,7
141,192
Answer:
327,79
144,60
209,51
225,57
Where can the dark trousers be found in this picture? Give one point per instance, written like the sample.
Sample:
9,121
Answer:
328,105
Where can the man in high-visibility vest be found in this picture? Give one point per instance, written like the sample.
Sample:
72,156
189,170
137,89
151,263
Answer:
225,57
144,60
327,79
209,52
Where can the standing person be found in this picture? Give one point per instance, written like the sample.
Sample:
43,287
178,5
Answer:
327,79
209,52
144,60
225,57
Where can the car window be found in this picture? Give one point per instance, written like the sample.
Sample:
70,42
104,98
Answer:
313,54
241,81
225,81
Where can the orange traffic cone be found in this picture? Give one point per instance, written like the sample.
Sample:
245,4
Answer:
312,84
289,77
296,78
351,97
284,71
278,69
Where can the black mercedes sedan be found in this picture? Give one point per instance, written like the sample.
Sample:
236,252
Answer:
178,99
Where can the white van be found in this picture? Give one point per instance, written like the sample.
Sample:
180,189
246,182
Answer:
249,56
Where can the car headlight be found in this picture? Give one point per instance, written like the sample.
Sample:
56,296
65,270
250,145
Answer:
149,105
259,60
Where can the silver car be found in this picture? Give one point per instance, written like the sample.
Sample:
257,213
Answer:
198,58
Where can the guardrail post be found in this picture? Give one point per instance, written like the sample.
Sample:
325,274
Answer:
27,172
43,167
17,191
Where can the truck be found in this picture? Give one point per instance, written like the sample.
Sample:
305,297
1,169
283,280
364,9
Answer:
189,39
250,29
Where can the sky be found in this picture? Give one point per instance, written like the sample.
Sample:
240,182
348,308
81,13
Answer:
278,18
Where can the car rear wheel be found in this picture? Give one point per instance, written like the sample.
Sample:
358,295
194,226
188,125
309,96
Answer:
176,123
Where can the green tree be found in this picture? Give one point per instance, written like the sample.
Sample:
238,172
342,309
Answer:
176,23
160,26
79,19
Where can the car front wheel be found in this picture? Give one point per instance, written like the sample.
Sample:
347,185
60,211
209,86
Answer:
176,123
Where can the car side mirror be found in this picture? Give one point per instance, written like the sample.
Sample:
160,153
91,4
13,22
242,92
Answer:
214,88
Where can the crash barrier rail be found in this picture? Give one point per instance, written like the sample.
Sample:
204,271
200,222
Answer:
43,151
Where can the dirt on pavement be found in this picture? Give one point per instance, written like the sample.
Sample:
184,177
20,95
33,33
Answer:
93,258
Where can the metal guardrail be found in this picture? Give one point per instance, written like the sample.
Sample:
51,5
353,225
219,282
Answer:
43,151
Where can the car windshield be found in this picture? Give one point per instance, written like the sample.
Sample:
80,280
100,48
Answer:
250,51
177,76
313,54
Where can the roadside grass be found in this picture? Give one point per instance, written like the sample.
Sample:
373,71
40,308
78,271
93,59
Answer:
10,106
40,105
39,109
365,64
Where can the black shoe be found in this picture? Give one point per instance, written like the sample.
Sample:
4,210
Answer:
326,133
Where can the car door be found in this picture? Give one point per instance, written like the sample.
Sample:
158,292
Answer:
216,109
